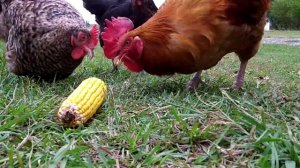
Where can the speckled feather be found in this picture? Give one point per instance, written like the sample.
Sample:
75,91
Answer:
39,37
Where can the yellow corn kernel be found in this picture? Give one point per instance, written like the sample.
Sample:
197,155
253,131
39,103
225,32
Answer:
83,103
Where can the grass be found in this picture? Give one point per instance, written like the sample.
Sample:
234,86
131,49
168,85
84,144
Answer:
150,121
278,33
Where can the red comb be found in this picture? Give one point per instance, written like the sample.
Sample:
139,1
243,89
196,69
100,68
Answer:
113,31
94,32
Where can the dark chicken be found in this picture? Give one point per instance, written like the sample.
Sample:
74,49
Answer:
139,11
44,38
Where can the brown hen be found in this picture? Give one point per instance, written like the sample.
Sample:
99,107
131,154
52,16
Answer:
187,36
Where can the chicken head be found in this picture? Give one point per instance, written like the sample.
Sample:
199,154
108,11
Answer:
84,42
121,48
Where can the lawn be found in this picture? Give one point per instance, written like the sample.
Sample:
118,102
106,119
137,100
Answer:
150,121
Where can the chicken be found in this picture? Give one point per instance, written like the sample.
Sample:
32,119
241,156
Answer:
138,11
44,39
187,36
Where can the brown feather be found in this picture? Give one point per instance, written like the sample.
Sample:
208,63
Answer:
185,36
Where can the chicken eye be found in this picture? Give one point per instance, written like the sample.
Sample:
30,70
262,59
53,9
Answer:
83,38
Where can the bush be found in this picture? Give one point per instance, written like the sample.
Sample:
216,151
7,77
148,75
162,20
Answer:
285,14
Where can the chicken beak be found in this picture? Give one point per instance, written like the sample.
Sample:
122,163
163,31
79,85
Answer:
91,54
116,63
115,68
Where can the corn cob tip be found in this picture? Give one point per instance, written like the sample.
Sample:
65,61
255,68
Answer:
69,116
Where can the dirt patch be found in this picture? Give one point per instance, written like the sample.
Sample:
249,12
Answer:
285,41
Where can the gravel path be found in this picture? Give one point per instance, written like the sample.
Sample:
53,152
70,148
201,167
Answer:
284,40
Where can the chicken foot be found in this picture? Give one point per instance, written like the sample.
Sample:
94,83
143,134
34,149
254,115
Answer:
240,76
194,82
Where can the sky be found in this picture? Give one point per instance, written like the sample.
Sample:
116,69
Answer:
78,4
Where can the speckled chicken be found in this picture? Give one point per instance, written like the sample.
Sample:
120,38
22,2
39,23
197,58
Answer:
44,38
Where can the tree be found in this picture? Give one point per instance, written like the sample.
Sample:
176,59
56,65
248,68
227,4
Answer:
285,14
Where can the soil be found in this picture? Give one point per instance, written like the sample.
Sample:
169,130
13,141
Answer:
283,40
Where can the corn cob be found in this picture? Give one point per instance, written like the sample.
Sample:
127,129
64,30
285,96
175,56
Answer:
83,103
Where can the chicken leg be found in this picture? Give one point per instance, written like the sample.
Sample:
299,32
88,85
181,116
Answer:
194,82
244,56
240,76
